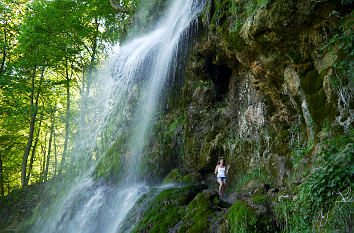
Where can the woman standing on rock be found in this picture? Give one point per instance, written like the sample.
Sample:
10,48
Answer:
221,171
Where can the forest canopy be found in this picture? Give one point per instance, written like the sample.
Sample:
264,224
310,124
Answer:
49,51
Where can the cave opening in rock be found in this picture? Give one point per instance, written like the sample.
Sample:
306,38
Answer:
220,76
221,79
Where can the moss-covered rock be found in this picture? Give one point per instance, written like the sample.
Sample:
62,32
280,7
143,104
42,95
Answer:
198,212
181,176
180,210
110,165
259,199
244,218
138,210
166,209
201,212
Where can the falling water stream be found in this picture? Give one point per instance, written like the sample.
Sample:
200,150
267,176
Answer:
83,203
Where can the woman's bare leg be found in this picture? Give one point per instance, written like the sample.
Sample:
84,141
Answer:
220,187
223,189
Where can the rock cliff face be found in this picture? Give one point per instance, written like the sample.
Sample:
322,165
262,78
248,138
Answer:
268,85
258,86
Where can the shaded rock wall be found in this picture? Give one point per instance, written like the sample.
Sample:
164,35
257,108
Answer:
257,87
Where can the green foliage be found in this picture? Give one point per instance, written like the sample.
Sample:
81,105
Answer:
63,41
146,14
259,199
203,83
263,3
256,174
346,2
299,151
219,10
324,201
252,7
340,216
333,174
177,122
343,40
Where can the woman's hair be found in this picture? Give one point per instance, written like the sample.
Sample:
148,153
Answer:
222,158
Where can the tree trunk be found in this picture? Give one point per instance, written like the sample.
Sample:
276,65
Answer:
2,190
44,151
49,146
34,107
33,152
55,155
4,51
8,186
67,122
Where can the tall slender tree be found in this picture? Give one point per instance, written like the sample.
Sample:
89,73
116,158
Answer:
34,107
50,143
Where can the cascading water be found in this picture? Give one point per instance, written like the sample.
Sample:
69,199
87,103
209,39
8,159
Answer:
86,205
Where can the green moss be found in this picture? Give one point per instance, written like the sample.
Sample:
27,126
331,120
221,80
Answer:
243,218
211,135
281,142
110,165
177,122
198,212
191,150
280,11
259,199
177,176
317,107
189,179
311,82
295,56
234,39
166,209
165,147
200,202
202,84
172,177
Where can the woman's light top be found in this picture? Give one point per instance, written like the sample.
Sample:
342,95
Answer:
221,172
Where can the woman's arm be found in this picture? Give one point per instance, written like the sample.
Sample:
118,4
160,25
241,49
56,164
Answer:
216,169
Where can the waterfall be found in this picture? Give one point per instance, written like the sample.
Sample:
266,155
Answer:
82,203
